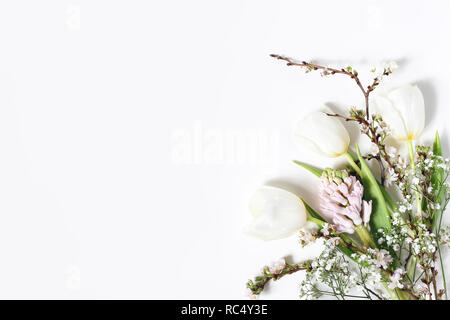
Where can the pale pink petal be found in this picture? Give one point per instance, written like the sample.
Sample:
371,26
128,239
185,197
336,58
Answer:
355,202
349,181
339,198
353,214
343,224
367,211
343,189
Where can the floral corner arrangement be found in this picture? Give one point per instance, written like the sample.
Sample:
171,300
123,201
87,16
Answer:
377,244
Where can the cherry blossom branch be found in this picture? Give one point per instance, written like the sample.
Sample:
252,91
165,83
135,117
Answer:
330,71
257,285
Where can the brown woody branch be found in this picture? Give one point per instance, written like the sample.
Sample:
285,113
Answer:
327,70
257,285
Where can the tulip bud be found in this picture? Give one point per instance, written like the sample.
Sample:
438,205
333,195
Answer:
277,214
323,134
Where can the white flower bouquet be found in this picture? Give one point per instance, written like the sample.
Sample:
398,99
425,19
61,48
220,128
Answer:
376,244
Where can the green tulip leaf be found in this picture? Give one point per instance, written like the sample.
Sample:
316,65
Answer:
317,172
348,252
437,149
387,197
312,212
380,217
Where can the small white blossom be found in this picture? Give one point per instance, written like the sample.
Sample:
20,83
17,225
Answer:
306,237
435,206
382,258
396,279
421,289
391,65
249,294
327,229
277,266
375,149
391,151
391,177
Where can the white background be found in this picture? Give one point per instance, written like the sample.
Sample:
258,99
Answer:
132,133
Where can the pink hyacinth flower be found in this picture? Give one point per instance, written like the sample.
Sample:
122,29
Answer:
342,201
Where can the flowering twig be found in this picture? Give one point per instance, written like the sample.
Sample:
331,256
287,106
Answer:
257,285
330,71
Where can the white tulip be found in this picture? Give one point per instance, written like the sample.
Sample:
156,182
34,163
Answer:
277,214
403,109
323,134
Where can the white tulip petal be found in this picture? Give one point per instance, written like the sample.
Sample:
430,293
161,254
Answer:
277,214
323,134
391,116
403,109
408,100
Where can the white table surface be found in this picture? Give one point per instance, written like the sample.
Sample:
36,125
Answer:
132,133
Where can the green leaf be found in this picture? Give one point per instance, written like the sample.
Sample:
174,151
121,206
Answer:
311,211
438,173
348,252
313,170
372,191
437,178
387,197
437,150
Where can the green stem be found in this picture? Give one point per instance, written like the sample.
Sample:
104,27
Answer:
443,271
411,272
319,222
352,163
402,295
365,237
393,294
411,154
347,238
413,166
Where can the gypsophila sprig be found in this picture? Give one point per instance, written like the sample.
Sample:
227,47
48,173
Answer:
333,274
